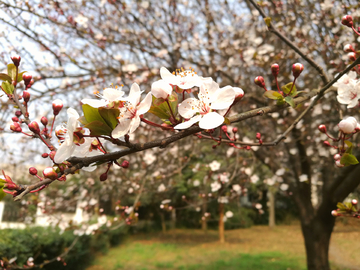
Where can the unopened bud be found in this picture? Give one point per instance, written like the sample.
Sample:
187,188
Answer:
45,155
16,60
326,143
275,70
103,177
338,164
33,171
27,78
334,213
354,202
239,93
16,127
224,129
337,157
52,155
322,128
125,164
44,120
235,130
348,48
15,119
258,136
34,127
57,106
352,56
26,96
50,173
297,69
214,146
347,20
18,113
259,81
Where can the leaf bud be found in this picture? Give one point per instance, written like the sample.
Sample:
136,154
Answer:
34,127
27,78
275,70
18,113
352,56
15,119
347,20
33,171
348,48
125,164
322,128
334,213
297,69
44,121
50,173
57,106
26,96
16,127
354,202
45,155
259,81
103,177
16,60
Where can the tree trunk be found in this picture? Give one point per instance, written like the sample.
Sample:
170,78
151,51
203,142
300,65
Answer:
173,218
317,235
271,209
204,219
221,223
163,225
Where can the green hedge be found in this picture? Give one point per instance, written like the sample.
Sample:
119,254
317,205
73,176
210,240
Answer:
47,243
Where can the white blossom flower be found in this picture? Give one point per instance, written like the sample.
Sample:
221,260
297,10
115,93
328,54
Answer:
109,96
348,125
129,119
129,210
229,214
102,219
224,178
215,186
254,178
223,199
284,187
348,89
258,206
303,178
215,165
196,183
167,201
161,89
161,188
201,110
236,188
82,20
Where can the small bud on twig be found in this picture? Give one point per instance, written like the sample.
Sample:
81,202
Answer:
125,164
50,173
34,127
44,121
33,171
26,96
57,106
322,128
347,20
259,81
16,127
16,60
103,177
275,70
297,69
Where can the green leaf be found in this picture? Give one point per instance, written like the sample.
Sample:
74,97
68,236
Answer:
83,121
11,69
5,77
287,87
19,78
173,100
160,108
7,87
98,128
272,95
92,114
267,21
290,101
2,193
341,206
350,147
110,116
348,159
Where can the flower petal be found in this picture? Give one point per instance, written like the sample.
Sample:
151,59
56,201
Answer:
121,129
188,107
135,94
145,105
95,103
111,94
223,98
135,123
166,74
211,120
161,89
64,151
189,123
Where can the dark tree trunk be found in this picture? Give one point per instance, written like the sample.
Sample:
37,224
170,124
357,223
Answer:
317,235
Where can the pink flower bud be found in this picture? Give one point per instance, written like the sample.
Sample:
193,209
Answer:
322,128
45,155
354,201
44,120
326,143
224,129
16,127
57,106
16,60
239,93
337,157
103,177
352,56
34,127
334,213
15,119
18,113
26,96
338,164
33,171
259,81
258,136
348,125
235,130
50,173
27,78
348,48
52,155
297,69
275,70
125,164
347,20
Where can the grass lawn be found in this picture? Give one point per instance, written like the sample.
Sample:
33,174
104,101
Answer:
255,248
